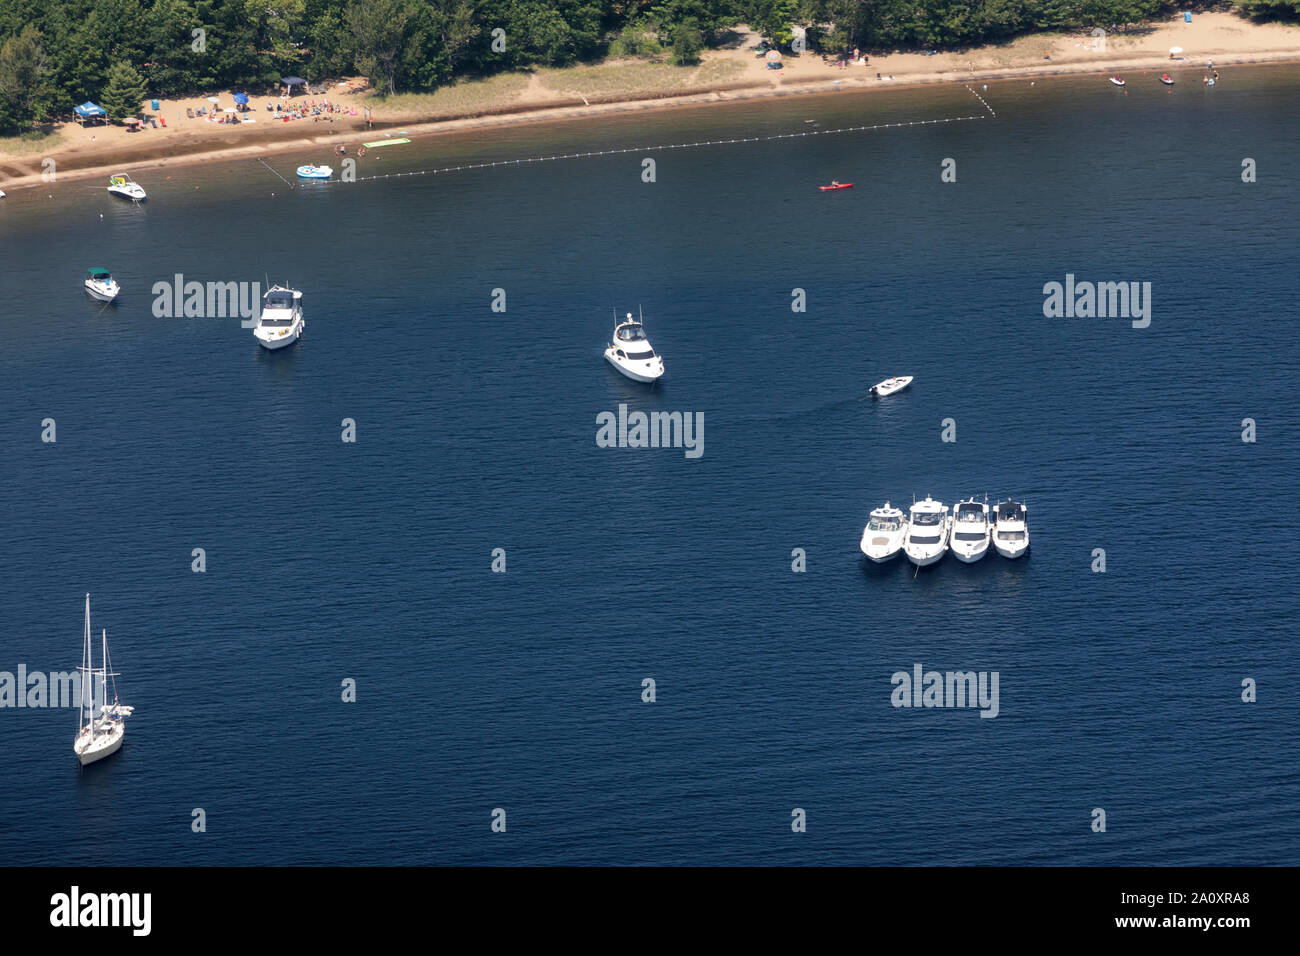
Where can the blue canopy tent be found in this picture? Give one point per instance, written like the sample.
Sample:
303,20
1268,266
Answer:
88,111
292,81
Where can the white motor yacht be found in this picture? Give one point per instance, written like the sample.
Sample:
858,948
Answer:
1010,529
282,322
631,353
882,538
969,540
891,385
926,539
100,285
123,185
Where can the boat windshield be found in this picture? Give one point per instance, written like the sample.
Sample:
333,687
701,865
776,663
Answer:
883,524
971,535
278,300
641,355
631,333
925,539
926,518
1010,513
970,513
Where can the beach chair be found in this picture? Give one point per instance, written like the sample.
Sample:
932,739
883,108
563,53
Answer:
189,111
163,121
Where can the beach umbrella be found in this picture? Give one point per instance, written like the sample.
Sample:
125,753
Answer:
241,99
293,81
213,99
1175,49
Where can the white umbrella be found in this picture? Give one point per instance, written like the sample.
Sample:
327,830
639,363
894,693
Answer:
1175,49
213,99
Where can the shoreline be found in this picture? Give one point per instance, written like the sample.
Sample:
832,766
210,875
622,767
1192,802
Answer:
156,155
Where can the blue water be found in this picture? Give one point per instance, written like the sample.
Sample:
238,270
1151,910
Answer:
476,430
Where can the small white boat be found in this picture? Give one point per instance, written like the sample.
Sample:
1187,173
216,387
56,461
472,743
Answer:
882,538
891,385
1117,80
315,172
281,323
969,540
926,539
98,735
100,285
1010,529
631,353
124,186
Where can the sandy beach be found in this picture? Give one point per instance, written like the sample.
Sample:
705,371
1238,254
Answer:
727,74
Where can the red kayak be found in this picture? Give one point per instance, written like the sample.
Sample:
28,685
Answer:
836,186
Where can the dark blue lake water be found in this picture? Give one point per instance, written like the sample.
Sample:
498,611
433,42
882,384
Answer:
476,430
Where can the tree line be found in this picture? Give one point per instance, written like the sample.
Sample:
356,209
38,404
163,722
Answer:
55,54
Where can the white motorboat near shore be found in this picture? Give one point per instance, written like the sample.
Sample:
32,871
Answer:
969,540
882,538
100,285
631,353
1010,529
891,385
281,323
315,172
99,735
120,184
928,527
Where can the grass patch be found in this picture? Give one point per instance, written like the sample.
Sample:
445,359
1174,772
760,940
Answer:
33,141
637,77
461,97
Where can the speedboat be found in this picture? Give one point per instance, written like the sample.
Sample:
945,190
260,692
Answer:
970,530
123,185
315,172
1010,529
891,385
882,538
281,323
100,285
926,538
1117,80
630,352
1166,79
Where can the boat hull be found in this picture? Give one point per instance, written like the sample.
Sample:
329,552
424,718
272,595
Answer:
275,343
922,560
102,295
971,557
128,196
636,375
1011,550
880,549
102,746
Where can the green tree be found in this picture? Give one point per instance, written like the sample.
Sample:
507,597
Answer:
124,93
378,30
26,92
687,43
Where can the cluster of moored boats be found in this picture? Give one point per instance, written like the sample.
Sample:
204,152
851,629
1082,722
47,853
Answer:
929,531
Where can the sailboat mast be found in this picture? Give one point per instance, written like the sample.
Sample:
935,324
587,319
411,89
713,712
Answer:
103,677
88,678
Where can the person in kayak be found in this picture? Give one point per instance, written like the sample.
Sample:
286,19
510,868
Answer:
835,182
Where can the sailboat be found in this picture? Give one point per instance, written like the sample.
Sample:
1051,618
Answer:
98,736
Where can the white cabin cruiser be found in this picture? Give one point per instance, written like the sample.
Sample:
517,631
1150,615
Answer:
282,322
926,539
102,735
123,185
882,538
631,353
1010,529
969,540
891,385
100,285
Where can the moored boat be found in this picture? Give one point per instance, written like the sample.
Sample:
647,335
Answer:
315,172
1117,80
101,285
281,323
120,184
882,538
631,353
928,526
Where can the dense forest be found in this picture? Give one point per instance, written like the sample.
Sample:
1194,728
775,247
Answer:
55,54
